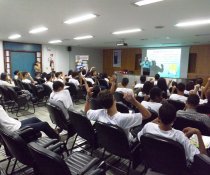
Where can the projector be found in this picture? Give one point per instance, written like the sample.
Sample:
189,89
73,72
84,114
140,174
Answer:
122,44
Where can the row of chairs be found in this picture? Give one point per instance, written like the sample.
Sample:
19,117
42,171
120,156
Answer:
45,155
99,134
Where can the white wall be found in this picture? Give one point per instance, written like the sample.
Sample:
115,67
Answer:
95,57
1,58
61,58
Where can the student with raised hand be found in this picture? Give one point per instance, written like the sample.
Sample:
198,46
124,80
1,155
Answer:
180,93
109,113
124,88
163,127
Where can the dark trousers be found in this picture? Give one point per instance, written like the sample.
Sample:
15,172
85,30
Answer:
39,125
146,71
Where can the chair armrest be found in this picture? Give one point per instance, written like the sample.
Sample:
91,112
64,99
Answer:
29,134
87,167
57,148
201,164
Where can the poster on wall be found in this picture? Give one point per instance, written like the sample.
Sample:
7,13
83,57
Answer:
51,55
117,58
81,62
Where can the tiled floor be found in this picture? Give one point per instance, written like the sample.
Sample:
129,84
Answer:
42,114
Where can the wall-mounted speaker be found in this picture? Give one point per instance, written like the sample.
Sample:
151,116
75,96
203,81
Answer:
69,48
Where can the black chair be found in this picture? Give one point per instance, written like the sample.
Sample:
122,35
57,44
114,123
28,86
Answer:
114,140
58,118
84,129
48,162
119,98
153,116
177,104
73,91
163,155
121,107
16,144
47,91
204,109
182,123
20,100
201,165
6,99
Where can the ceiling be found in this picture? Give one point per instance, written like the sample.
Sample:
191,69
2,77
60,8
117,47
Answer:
20,16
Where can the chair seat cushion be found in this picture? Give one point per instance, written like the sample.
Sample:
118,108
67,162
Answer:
80,162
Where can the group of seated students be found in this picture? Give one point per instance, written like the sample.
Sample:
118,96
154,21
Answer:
154,94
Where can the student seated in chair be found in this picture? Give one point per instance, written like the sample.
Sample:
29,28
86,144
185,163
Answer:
163,127
61,94
12,125
109,113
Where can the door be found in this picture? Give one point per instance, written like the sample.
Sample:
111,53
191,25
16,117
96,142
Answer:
23,61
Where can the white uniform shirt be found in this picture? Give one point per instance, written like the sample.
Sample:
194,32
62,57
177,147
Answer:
63,96
123,120
152,105
74,81
7,122
26,81
125,90
5,83
176,135
177,97
50,84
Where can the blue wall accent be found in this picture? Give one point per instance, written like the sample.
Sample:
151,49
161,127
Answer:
22,47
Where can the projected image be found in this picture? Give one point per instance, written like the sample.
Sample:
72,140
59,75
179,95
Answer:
165,62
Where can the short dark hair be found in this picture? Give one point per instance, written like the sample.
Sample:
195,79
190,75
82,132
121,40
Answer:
161,83
74,74
57,74
147,87
24,74
193,100
16,72
57,85
96,90
167,113
3,76
48,76
190,85
143,78
157,76
199,81
155,93
106,99
181,87
125,81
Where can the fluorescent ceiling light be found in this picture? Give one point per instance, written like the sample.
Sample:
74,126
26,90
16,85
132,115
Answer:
193,23
80,19
126,31
14,36
38,30
83,37
146,2
55,41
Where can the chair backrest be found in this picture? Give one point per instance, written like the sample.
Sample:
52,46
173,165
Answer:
13,95
83,127
113,139
16,146
47,90
163,155
72,89
57,116
4,91
204,109
177,104
48,162
182,123
121,107
119,98
201,165
154,115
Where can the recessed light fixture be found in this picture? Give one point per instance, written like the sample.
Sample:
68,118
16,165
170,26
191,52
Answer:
193,23
38,30
55,41
83,37
168,37
146,2
126,31
14,36
80,18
